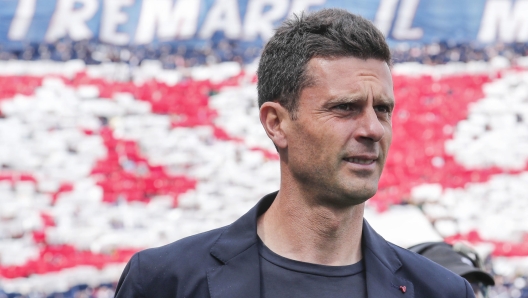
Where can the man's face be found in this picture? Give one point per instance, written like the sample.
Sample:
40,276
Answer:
338,144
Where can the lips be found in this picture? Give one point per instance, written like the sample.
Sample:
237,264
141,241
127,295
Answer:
361,160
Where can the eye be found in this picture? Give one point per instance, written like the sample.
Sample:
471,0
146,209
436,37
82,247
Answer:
382,109
343,107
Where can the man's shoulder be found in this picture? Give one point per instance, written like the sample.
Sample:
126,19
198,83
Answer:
182,264
189,249
427,275
411,258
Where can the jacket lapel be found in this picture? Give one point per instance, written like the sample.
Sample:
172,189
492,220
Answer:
381,265
240,277
237,250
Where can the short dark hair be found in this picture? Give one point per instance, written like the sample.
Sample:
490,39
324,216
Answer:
328,33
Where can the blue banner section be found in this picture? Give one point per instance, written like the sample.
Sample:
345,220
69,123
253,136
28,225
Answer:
144,22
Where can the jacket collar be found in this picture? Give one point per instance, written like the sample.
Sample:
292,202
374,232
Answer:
239,274
241,234
382,265
236,248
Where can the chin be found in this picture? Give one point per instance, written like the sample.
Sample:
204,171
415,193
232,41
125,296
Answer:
362,197
352,197
359,196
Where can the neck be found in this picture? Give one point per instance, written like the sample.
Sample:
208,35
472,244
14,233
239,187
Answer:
296,228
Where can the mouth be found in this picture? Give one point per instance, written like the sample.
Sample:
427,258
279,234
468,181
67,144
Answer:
361,160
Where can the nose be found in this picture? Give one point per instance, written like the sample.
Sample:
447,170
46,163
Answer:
370,126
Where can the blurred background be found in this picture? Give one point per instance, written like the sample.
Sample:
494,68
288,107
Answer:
128,124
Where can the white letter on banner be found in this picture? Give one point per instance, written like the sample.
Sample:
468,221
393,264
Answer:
223,16
299,6
113,17
511,24
259,22
67,20
172,21
402,27
22,19
385,15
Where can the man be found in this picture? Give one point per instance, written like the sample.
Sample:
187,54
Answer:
326,101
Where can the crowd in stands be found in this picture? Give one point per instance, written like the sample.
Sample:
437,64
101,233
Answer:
79,291
174,55
171,55
445,52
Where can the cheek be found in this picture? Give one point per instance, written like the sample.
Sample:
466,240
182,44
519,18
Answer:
388,134
385,144
309,147
319,139
300,142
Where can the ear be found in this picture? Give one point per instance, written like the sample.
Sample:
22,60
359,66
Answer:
274,119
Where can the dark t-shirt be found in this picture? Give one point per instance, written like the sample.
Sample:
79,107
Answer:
282,277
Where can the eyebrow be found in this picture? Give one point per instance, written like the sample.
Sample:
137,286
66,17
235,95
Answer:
388,102
344,100
356,99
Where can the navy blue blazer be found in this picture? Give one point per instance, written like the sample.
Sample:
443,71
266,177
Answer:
224,263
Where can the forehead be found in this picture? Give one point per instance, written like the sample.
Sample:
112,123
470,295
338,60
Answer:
350,74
